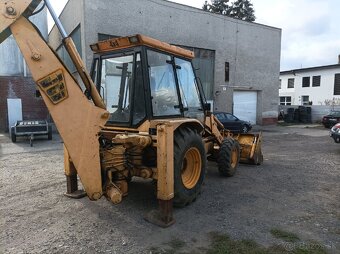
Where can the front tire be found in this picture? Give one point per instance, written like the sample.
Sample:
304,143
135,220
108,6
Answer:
189,166
228,157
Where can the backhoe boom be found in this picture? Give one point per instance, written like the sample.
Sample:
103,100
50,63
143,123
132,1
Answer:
77,119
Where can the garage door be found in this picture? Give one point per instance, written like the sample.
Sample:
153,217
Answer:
245,105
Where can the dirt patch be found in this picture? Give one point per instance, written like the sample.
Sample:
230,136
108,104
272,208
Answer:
296,190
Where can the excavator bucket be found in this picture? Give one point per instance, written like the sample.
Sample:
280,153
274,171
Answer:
251,152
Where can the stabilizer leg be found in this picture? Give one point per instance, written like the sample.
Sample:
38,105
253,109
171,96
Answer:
163,217
71,178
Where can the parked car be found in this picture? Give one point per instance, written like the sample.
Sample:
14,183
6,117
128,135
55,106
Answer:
232,123
335,133
331,119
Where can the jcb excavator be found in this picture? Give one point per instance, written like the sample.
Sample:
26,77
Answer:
143,114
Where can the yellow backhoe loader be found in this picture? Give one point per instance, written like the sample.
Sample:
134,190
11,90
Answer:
143,114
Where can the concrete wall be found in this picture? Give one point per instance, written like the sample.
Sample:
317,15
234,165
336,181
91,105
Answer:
317,95
253,50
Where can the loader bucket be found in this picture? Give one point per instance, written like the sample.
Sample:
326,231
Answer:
251,152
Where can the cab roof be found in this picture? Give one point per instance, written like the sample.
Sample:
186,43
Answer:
139,40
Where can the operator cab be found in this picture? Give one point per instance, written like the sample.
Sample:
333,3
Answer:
140,79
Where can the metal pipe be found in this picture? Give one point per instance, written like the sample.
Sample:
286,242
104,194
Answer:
76,59
56,19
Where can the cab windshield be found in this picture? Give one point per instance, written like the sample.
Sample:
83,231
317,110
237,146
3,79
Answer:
166,96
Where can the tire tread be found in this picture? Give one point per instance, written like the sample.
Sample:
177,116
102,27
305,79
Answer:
224,157
183,139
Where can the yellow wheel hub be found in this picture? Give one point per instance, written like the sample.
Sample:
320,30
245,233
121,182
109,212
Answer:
234,157
191,168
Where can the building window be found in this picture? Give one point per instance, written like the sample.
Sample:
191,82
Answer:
285,100
62,53
337,84
280,83
290,83
316,80
305,100
306,82
226,71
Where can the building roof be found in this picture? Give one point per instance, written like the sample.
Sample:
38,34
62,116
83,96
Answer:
324,67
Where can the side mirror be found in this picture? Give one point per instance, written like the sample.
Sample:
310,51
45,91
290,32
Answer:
207,106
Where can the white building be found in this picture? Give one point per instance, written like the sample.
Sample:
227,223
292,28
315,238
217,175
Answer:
310,86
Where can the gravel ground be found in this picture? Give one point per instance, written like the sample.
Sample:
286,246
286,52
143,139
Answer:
296,189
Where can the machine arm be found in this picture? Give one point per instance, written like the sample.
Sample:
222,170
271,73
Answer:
76,59
77,119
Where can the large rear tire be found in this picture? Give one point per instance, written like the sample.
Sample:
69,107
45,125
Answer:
228,157
189,166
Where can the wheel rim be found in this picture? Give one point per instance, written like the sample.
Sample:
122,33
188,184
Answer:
234,157
245,129
191,168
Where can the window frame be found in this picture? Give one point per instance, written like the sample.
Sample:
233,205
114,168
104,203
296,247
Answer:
306,81
181,109
109,56
316,81
198,52
125,52
304,102
285,102
227,72
291,84
194,109
336,90
280,83
147,77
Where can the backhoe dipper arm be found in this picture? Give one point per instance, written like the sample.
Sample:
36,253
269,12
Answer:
77,119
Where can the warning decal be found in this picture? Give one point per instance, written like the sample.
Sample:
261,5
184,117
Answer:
54,86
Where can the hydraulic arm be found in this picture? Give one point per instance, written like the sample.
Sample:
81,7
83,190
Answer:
78,127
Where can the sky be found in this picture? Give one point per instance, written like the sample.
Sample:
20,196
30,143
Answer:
310,32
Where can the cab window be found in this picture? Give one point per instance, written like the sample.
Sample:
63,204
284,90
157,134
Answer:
187,84
164,97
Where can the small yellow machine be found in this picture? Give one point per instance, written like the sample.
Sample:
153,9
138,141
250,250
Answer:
143,114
